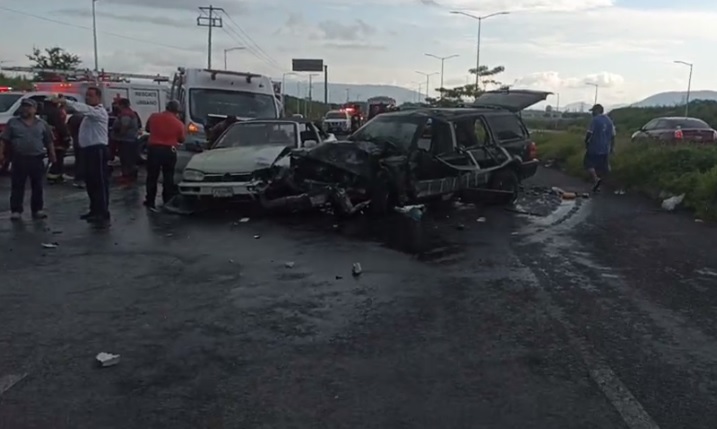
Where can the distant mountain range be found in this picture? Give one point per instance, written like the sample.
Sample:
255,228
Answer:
674,98
339,92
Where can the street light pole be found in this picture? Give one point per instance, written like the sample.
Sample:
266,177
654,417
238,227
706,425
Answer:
311,88
596,91
480,20
689,86
94,34
236,48
443,60
428,77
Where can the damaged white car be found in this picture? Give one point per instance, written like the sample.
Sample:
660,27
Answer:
243,153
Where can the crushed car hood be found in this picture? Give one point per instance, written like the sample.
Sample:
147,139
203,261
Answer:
237,159
352,156
513,100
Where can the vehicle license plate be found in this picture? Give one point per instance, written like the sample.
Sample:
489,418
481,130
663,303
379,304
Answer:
222,192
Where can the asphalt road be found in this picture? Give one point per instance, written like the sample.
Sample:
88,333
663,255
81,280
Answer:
598,313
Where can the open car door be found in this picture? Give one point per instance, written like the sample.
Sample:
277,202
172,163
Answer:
513,100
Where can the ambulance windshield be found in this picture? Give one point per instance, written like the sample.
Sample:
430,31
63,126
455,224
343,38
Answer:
204,102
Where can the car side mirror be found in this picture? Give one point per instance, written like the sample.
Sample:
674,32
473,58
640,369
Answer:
310,143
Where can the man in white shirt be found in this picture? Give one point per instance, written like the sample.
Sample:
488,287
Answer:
93,141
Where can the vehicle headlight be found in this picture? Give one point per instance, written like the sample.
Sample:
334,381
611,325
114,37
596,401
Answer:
193,175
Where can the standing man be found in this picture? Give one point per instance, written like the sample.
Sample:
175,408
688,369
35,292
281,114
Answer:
599,145
166,132
57,119
93,139
28,139
125,131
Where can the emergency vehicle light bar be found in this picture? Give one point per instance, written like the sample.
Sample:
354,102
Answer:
248,76
87,73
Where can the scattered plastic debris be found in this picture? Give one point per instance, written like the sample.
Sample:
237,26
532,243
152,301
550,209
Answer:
585,195
356,270
557,190
107,359
339,277
414,212
244,220
569,195
699,221
620,192
289,264
52,245
481,219
671,203
257,236
8,381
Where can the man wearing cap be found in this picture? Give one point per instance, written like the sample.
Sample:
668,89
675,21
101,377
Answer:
93,139
599,145
166,132
28,138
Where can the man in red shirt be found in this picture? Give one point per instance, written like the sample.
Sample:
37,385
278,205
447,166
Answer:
166,132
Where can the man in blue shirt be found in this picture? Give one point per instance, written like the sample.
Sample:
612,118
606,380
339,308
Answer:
599,145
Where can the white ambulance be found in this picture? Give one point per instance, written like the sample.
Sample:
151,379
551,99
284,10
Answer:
208,93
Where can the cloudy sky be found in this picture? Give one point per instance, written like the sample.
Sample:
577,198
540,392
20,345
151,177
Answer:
626,46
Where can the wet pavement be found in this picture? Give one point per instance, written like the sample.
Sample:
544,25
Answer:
593,313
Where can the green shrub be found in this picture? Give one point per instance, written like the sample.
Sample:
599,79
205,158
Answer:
683,169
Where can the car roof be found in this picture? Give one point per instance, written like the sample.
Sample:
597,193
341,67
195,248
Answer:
448,113
280,120
679,118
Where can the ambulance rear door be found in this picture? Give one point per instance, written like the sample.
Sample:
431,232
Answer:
146,100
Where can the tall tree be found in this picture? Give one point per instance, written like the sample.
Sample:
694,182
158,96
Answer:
53,58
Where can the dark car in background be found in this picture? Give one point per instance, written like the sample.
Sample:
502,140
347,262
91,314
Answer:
676,130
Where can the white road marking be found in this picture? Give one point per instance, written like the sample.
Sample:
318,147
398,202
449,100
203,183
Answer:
7,381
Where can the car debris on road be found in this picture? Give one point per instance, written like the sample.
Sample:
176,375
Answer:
107,359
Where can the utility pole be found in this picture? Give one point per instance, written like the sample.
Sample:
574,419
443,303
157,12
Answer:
311,89
428,79
347,95
326,84
596,91
210,22
94,33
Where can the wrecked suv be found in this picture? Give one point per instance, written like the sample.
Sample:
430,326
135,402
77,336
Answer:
398,158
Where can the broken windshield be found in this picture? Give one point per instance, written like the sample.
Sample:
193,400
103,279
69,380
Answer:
397,130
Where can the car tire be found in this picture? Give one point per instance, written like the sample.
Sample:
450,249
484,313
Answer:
506,180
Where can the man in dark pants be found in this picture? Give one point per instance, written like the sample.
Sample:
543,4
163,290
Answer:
125,131
28,138
57,119
93,139
166,132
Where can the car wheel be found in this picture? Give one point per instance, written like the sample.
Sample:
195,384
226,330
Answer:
506,180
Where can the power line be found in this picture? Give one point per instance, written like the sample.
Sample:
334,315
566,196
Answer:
252,45
67,24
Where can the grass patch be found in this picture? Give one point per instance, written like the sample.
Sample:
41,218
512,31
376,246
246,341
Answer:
646,167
